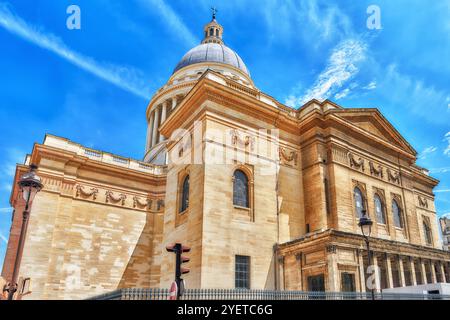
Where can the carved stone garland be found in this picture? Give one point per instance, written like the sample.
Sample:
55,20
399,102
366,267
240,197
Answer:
91,192
357,164
376,171
110,197
139,203
286,157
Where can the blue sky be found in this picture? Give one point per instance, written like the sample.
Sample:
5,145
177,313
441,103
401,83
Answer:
93,85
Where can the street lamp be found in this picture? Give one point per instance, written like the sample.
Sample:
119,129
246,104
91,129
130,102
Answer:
365,223
30,184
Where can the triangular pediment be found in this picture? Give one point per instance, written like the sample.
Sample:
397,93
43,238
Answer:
374,123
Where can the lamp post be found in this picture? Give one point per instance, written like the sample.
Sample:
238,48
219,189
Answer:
365,223
29,184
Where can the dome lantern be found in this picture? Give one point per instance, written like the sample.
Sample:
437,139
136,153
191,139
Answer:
213,30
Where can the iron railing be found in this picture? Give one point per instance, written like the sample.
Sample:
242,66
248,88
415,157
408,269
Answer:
237,294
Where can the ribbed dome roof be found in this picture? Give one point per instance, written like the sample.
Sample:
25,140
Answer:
212,52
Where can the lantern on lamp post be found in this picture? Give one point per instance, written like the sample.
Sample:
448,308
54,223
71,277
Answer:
30,184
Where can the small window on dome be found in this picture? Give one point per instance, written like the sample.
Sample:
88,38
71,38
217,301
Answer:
217,32
211,32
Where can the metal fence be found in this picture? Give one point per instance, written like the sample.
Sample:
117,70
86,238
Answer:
237,294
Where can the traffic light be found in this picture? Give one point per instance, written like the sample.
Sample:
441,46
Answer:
179,249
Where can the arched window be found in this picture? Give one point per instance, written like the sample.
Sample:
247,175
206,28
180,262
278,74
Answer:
217,32
240,189
397,212
184,205
427,232
359,202
211,32
379,209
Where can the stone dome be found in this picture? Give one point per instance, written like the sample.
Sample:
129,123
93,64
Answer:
212,52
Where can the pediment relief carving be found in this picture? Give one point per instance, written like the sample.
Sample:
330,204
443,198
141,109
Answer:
374,123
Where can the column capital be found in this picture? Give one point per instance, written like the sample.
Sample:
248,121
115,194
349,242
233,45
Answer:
331,248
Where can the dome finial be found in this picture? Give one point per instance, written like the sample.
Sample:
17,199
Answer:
214,12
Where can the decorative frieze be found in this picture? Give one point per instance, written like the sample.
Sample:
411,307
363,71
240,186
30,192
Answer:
356,163
376,170
91,192
139,203
111,197
423,202
393,176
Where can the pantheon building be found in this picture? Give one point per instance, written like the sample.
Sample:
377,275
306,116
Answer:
266,196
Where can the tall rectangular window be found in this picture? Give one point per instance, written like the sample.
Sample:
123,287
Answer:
242,272
348,282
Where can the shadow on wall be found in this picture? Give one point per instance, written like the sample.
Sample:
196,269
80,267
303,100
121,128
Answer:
140,269
270,280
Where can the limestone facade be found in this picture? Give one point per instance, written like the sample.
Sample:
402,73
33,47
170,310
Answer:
102,221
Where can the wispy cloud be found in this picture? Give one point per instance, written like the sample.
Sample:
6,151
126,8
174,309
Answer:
126,78
5,210
440,170
371,86
447,139
426,152
442,191
287,20
3,238
422,98
172,19
341,67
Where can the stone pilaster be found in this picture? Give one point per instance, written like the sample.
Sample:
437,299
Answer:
390,281
433,272
402,272
362,272
333,282
424,272
412,267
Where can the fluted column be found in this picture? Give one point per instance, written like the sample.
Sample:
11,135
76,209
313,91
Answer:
174,103
402,272
424,272
433,272
390,281
149,133
163,118
444,276
362,272
155,126
412,267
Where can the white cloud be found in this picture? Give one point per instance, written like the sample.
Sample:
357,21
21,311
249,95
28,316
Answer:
341,67
371,86
172,19
447,139
3,238
427,151
126,78
5,210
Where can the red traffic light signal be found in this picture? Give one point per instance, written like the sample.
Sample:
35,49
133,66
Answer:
185,249
184,270
171,248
